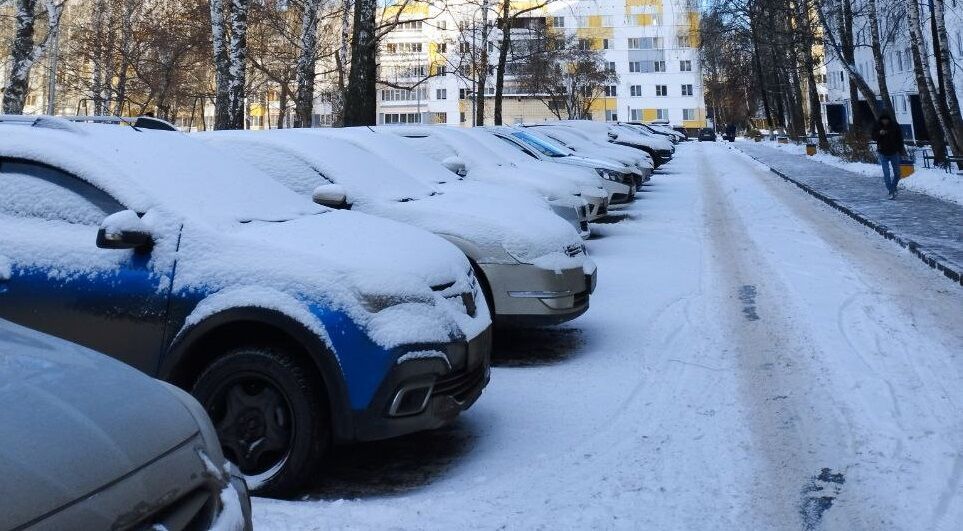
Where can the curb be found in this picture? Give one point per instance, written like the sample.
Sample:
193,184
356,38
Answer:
952,271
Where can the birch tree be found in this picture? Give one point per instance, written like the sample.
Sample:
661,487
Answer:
26,49
229,47
307,57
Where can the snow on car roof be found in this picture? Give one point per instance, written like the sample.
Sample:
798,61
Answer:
295,157
147,168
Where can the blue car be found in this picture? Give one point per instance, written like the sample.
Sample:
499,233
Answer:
296,326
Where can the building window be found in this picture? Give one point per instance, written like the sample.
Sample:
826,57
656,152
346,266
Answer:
683,41
610,66
635,66
661,90
441,70
611,116
438,117
658,66
611,91
401,118
635,43
584,44
464,47
442,24
442,47
462,115
409,25
394,94
462,93
635,90
441,94
686,90
607,46
688,114
403,47
662,114
635,115
558,22
685,66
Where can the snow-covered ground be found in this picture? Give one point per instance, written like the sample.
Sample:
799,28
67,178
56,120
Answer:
752,359
931,181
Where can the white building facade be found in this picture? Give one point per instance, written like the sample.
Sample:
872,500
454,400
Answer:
651,44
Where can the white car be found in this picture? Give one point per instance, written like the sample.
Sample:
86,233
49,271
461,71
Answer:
442,168
532,265
615,176
581,144
665,130
450,146
660,149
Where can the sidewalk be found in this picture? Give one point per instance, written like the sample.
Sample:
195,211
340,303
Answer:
930,228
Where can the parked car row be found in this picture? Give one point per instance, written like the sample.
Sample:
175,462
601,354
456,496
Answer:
308,288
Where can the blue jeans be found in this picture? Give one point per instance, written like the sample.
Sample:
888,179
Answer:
887,161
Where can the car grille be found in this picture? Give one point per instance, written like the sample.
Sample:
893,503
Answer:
460,385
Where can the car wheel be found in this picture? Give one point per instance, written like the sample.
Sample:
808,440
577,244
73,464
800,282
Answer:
269,414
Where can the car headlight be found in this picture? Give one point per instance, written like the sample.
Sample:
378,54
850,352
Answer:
375,302
607,175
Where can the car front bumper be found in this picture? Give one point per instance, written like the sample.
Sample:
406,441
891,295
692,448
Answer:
427,388
530,295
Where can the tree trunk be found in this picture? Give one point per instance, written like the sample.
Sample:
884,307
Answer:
502,61
283,107
21,58
304,98
238,65
946,67
482,70
942,114
341,63
877,49
360,106
937,140
222,71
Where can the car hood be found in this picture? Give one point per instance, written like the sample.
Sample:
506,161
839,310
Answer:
73,421
486,229
349,241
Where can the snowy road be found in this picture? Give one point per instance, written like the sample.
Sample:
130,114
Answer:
751,359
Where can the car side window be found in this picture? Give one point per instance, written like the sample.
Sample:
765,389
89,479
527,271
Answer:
39,191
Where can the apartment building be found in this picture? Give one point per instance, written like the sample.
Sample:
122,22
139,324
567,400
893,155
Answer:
898,61
651,44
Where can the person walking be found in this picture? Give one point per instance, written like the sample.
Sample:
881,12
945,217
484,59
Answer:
889,147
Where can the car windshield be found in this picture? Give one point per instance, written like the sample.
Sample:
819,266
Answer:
543,146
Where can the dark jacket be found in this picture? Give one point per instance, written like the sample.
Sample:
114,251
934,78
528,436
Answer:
889,138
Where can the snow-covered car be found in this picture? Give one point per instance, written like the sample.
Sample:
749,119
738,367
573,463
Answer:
664,129
295,325
532,266
616,177
486,163
660,149
91,443
581,144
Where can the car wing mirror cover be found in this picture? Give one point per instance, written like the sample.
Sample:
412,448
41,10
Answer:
331,196
124,230
456,165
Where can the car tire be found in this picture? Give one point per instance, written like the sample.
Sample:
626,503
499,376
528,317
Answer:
270,416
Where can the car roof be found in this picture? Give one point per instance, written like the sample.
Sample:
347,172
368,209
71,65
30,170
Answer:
147,168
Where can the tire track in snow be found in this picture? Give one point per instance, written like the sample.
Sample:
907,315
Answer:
773,355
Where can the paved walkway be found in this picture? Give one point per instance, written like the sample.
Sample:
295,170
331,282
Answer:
930,228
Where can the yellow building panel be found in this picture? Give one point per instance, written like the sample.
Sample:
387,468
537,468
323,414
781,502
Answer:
412,9
694,124
645,19
596,34
595,21
693,17
650,115
600,105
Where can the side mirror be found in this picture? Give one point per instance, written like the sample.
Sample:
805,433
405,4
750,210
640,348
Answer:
455,165
124,230
331,196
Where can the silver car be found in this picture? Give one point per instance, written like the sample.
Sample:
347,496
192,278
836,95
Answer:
90,443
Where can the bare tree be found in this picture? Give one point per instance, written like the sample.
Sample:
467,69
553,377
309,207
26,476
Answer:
565,75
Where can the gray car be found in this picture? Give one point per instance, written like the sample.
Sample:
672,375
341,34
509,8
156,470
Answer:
87,442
